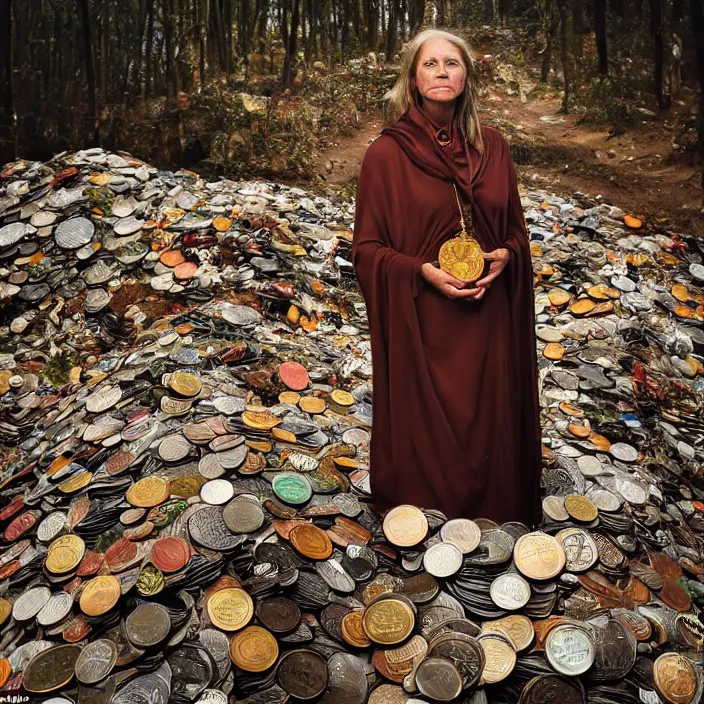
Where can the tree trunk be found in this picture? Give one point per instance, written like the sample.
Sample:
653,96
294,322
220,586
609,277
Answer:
600,32
7,112
149,46
489,11
657,33
169,68
262,26
566,43
428,13
392,32
84,12
290,37
551,27
104,51
371,18
697,12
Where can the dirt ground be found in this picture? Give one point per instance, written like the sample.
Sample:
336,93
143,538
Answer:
633,170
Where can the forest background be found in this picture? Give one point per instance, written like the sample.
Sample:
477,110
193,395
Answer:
273,88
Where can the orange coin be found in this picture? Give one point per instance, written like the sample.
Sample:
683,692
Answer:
5,671
222,224
633,222
684,311
312,542
185,271
172,257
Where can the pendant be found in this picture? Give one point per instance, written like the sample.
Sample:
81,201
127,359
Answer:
462,257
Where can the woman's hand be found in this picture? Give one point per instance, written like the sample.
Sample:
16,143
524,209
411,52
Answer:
498,259
446,283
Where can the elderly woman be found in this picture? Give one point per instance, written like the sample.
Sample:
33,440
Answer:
456,414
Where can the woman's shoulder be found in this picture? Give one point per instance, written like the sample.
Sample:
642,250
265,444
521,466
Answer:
381,149
493,137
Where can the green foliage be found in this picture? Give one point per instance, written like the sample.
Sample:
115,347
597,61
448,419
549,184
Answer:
57,370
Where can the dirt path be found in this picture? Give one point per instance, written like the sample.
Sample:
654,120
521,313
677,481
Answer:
633,170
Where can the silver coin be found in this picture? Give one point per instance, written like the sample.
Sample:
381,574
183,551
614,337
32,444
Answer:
241,315
30,603
604,500
209,467
554,508
438,679
217,492
624,452
74,233
173,448
581,551
495,547
569,649
99,273
590,466
14,232
207,528
356,436
103,399
348,504
97,299
51,526
148,625
462,533
243,514
442,560
347,681
510,591
56,609
96,661
43,218
336,576
212,696
632,492
218,645
232,459
697,271
229,405
127,226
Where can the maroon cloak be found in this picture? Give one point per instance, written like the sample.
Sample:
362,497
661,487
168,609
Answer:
456,418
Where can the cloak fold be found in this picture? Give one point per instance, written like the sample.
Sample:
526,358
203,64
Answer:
455,403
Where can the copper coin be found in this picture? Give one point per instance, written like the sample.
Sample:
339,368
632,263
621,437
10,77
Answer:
5,671
352,630
311,541
170,553
121,555
675,595
302,673
294,375
51,669
254,649
20,525
675,678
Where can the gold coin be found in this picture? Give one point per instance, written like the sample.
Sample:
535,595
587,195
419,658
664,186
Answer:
185,383
99,595
582,306
65,554
538,556
5,610
312,404
283,435
405,525
352,630
291,397
388,621
346,462
462,257
581,508
518,628
78,481
554,351
558,297
499,657
342,398
675,678
148,492
222,224
254,649
230,609
680,293
260,421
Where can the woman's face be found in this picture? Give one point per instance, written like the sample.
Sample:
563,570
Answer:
440,70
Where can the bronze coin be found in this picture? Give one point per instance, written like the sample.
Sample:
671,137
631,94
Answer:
51,669
303,674
311,541
170,553
254,649
279,614
675,678
675,595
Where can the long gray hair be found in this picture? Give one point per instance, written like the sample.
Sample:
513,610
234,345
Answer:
401,96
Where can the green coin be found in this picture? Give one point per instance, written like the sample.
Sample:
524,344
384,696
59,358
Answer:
292,488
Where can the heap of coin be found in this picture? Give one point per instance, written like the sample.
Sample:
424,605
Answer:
185,411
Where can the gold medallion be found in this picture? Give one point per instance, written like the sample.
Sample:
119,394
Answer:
230,609
462,256
388,621
254,649
65,554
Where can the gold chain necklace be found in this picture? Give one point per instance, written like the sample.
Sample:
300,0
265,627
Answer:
462,256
